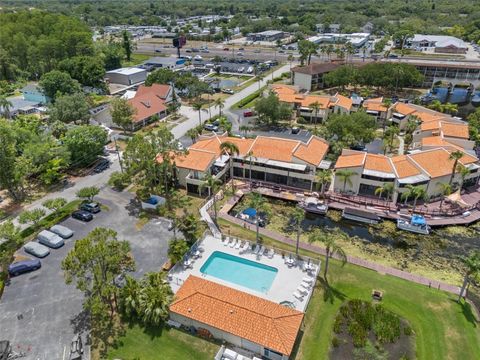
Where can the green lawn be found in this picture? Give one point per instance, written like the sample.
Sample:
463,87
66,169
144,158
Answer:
443,328
164,344
136,59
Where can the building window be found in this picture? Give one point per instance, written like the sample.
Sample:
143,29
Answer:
375,178
270,354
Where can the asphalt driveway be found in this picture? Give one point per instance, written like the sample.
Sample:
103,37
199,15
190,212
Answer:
40,314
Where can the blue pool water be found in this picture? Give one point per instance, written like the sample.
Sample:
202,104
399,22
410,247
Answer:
240,271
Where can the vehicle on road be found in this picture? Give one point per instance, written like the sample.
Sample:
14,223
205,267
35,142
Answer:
188,50
241,49
226,49
239,53
158,50
82,215
198,58
50,239
23,266
248,113
92,207
36,249
62,231
256,51
228,91
205,51
103,165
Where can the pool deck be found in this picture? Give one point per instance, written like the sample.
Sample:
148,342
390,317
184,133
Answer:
285,283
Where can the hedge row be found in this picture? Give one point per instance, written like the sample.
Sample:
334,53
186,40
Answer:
247,99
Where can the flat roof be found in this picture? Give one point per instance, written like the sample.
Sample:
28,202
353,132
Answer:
126,71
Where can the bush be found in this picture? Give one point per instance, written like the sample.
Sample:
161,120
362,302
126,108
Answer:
358,333
337,325
407,330
176,250
248,99
118,180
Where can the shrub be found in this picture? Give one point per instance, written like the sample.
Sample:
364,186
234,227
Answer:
337,325
118,180
176,250
335,342
407,330
88,193
358,333
247,99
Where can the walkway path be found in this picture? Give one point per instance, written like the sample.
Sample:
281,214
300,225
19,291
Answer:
353,260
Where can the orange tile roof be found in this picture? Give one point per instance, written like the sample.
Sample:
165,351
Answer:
343,101
159,90
283,89
273,148
430,125
403,108
456,130
426,116
404,167
313,152
289,95
379,163
238,313
437,163
350,159
213,144
374,106
195,160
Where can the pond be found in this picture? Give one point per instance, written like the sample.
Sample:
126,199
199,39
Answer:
219,83
465,98
436,255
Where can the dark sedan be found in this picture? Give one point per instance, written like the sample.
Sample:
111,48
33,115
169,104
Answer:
82,215
24,266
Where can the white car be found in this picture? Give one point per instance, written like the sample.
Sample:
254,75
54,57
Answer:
36,249
241,69
198,58
50,239
62,231
250,70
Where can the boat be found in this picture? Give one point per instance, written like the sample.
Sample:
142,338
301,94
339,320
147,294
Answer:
416,224
314,206
360,215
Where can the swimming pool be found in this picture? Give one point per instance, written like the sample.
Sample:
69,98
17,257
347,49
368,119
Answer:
240,271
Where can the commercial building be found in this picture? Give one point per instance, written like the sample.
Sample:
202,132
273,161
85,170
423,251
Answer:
126,76
269,35
171,63
356,39
437,43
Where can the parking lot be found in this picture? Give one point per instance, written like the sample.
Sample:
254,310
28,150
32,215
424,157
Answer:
39,313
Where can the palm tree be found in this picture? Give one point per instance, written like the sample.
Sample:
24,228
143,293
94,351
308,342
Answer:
464,171
231,149
193,134
250,157
298,216
455,156
315,107
129,297
331,246
387,188
245,129
349,50
436,105
225,125
154,299
415,192
213,185
345,175
472,263
257,202
220,104
446,190
450,108
329,50
5,105
197,106
323,177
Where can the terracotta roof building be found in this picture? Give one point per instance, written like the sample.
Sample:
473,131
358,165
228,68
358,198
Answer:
239,318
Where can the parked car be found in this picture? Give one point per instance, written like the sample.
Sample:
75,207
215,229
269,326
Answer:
228,91
239,53
158,50
92,207
226,49
256,51
248,113
62,231
295,130
24,266
36,249
241,69
198,58
241,49
250,70
210,127
50,239
205,51
180,146
82,215
101,166
188,50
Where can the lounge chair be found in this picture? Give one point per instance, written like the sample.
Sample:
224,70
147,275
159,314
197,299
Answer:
308,279
298,296
239,244
233,243
187,263
302,290
306,285
262,250
257,249
271,253
245,246
226,241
